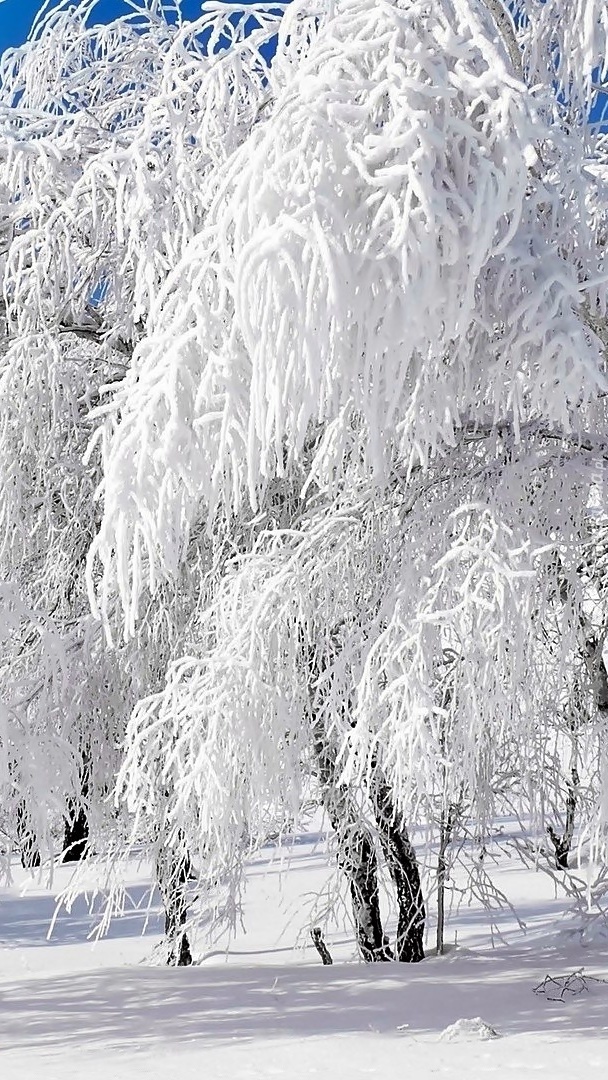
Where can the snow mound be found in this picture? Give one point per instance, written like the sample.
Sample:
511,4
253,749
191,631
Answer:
464,1030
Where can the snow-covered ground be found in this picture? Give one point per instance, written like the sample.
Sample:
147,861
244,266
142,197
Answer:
267,1008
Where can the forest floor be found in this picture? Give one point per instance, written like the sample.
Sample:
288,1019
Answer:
262,1006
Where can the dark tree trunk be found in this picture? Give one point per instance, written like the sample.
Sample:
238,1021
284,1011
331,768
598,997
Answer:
320,945
173,873
563,844
356,855
403,866
76,834
358,859
28,844
76,827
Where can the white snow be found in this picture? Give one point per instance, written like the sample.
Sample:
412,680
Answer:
265,1007
476,1028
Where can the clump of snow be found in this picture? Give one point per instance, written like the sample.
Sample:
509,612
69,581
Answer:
475,1028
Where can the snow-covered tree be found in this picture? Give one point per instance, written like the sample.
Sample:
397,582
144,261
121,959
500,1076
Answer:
107,132
399,289
102,146
350,260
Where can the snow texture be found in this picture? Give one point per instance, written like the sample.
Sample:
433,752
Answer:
263,1006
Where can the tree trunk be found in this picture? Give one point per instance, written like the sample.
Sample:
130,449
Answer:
320,946
446,829
441,876
28,844
563,844
76,834
76,827
403,866
356,855
173,871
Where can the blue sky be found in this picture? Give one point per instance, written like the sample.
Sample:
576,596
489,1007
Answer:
16,16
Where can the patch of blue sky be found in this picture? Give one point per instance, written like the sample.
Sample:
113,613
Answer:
17,16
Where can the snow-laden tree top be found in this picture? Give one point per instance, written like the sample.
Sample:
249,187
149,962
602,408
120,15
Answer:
391,231
407,241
